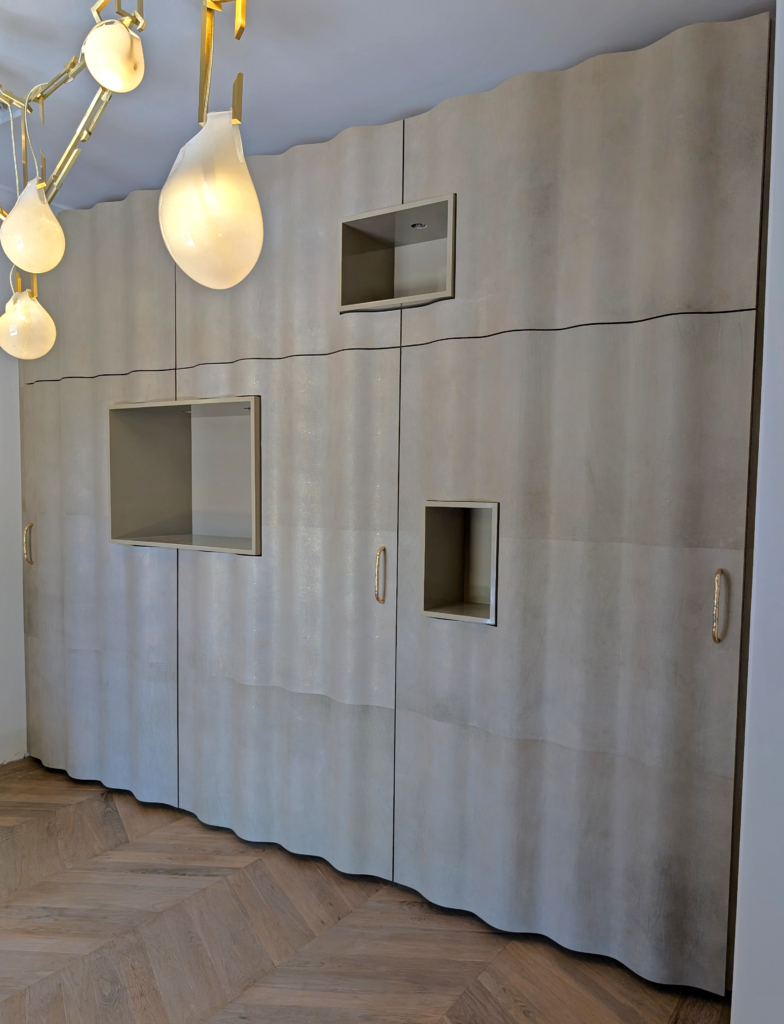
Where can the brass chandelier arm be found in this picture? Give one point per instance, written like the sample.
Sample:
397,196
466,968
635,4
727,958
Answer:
12,100
137,18
42,92
99,103
74,67
82,134
209,7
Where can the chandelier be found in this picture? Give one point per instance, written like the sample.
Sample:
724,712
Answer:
30,234
209,211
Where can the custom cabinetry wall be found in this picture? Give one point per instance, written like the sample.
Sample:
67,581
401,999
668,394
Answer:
569,770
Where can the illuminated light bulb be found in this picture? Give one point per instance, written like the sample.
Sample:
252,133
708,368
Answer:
26,329
208,210
113,55
31,235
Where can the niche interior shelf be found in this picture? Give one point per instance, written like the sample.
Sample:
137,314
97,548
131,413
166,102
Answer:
187,474
460,570
402,256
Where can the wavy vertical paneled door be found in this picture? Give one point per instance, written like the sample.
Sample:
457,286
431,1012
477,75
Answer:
100,619
571,771
287,661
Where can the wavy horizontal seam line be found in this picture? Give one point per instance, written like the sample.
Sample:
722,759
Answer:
395,348
554,743
361,705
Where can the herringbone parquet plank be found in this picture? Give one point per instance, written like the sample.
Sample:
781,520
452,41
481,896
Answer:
138,915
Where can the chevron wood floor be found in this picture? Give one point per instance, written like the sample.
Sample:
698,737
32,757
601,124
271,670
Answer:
113,912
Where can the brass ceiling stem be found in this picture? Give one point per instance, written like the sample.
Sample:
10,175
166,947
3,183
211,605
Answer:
240,12
209,7
205,63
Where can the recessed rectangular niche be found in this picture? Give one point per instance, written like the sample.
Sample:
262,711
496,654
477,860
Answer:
402,256
460,560
187,474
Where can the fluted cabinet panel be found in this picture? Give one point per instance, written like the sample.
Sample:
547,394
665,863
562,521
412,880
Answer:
289,302
112,296
571,771
626,187
100,618
298,769
619,433
603,854
287,661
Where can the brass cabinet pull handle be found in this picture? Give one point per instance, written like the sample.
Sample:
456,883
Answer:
379,597
717,604
26,544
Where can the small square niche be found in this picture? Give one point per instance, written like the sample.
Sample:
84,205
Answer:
187,474
403,256
460,560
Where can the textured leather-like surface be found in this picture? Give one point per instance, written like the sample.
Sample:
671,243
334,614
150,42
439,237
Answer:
626,187
602,854
289,301
112,296
570,772
299,769
100,618
287,662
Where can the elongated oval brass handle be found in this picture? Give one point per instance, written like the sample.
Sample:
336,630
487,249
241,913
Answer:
381,597
717,604
26,544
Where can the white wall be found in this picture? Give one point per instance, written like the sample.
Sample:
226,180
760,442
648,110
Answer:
13,727
759,953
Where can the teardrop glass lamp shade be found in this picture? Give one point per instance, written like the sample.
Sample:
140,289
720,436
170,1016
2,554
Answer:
26,329
209,212
31,235
114,57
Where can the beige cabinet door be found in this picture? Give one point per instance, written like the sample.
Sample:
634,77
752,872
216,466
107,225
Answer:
570,772
100,618
287,661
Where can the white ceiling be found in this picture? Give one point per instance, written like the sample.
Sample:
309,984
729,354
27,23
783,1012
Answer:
312,68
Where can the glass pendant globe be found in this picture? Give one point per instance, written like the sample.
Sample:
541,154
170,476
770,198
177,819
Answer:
31,235
26,329
208,210
114,57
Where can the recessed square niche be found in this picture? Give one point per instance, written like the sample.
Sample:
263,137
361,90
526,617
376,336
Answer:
402,256
187,474
460,540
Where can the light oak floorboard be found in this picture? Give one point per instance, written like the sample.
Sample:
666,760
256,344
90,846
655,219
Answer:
136,914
